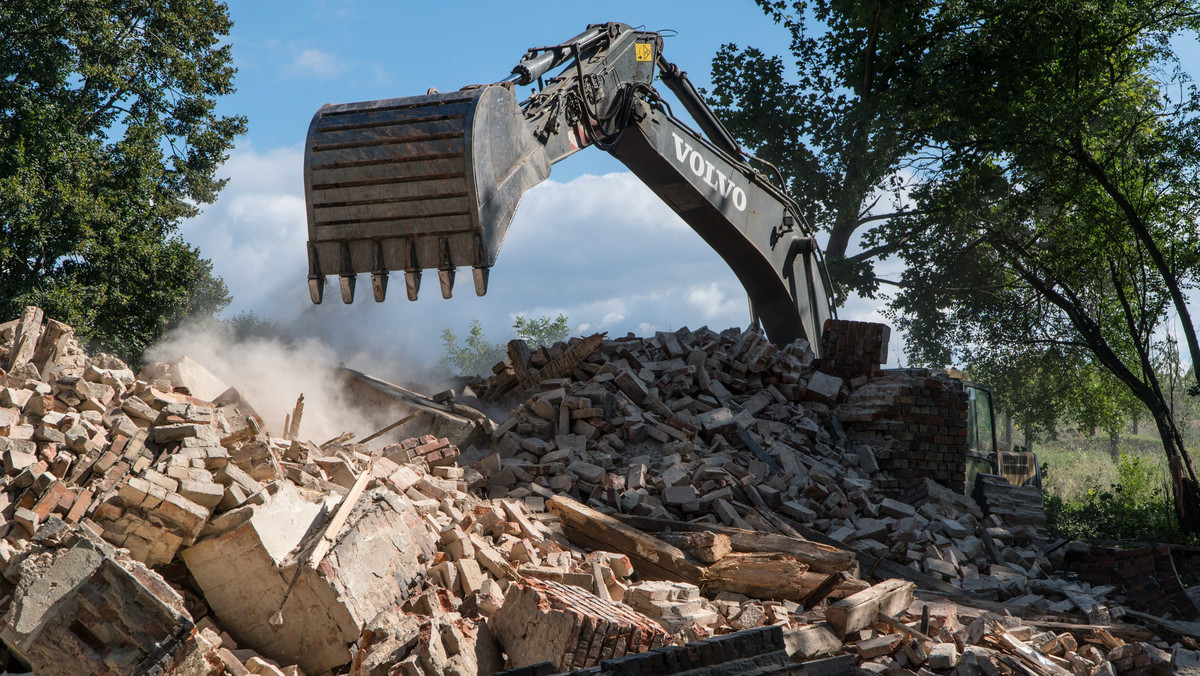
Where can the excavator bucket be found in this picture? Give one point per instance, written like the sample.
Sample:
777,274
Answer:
424,182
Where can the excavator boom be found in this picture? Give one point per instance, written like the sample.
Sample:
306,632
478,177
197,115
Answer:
432,182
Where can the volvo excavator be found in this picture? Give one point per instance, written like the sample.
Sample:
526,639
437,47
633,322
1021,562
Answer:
432,182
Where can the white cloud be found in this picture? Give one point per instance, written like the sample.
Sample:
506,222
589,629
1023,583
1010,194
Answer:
603,250
713,303
255,232
318,63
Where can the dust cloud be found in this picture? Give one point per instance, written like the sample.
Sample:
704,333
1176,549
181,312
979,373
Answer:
270,374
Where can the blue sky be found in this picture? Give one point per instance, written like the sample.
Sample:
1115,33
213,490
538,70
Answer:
294,56
592,242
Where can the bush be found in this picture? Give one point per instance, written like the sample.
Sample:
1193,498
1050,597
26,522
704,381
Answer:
476,354
1137,508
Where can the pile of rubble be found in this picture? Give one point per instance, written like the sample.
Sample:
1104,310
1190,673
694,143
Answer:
659,505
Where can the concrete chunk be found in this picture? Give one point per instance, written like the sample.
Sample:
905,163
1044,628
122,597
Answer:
245,571
73,598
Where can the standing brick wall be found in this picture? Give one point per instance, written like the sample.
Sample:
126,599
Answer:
851,349
1146,574
916,421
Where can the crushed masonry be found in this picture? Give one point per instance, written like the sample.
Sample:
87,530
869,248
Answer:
694,502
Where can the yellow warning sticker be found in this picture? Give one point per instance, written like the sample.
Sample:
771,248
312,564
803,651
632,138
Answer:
644,51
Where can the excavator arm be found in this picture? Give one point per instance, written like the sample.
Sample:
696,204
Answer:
432,182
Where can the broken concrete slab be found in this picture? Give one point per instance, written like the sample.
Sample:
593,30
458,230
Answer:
376,560
85,608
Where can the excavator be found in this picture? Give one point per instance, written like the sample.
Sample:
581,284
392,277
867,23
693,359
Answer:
432,182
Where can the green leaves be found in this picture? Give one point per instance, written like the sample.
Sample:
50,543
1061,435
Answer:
1042,165
108,138
476,355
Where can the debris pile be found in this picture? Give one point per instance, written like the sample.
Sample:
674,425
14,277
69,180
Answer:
690,501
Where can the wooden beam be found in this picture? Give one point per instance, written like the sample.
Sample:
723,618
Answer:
759,576
821,558
653,557
706,546
862,609
822,590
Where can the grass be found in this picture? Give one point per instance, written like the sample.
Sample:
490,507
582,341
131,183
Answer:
1088,495
1076,464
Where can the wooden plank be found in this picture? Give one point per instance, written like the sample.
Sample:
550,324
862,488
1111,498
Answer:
904,628
329,533
327,539
862,609
759,576
974,607
25,339
1178,627
52,345
1034,659
391,427
1127,632
651,556
820,557
822,590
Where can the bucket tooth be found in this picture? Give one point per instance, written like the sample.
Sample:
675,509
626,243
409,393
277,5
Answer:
347,283
480,275
379,282
446,279
316,288
412,283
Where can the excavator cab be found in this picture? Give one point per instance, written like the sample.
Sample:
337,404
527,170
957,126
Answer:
987,456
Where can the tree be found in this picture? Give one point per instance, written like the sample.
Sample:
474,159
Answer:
476,355
108,139
834,128
541,331
1027,387
1050,167
1067,174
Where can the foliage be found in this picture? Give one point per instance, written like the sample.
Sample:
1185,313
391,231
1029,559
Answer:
476,355
1049,160
541,331
1062,183
834,128
108,139
1137,507
1028,385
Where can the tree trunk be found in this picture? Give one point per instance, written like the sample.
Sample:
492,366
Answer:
1027,441
1114,445
1184,486
1008,429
